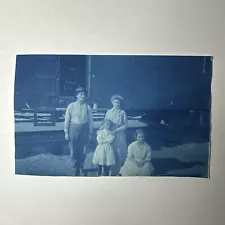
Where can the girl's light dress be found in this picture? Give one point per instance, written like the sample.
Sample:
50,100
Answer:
141,154
104,154
119,119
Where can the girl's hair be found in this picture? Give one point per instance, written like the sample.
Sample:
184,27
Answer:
116,97
138,131
107,121
104,122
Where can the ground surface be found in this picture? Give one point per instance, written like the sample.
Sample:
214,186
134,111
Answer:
185,160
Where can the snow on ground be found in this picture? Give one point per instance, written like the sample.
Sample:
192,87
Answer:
52,165
197,170
45,164
185,153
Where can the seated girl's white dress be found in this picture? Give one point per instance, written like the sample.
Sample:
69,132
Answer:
138,162
104,154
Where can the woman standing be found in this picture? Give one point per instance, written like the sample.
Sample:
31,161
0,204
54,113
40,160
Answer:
118,118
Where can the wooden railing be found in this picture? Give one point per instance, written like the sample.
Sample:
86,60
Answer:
27,115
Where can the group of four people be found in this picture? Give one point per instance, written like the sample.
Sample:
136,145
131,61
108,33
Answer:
112,156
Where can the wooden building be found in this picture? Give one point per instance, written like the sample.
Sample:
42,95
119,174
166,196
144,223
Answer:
147,84
144,82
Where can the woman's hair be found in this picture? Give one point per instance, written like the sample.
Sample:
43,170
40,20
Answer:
138,131
116,97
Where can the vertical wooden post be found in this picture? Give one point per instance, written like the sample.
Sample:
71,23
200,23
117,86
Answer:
88,76
58,76
204,65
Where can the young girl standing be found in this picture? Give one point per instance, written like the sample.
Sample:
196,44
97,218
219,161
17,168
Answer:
138,162
104,155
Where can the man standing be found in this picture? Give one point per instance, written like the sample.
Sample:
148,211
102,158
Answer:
78,128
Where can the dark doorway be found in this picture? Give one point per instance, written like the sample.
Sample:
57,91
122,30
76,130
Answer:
72,74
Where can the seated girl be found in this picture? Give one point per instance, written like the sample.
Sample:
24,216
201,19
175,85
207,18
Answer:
138,162
104,155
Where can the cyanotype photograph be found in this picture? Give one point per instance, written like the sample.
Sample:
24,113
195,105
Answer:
113,115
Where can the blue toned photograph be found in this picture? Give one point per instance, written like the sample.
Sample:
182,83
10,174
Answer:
113,115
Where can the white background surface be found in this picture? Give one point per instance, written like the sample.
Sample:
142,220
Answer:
122,26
